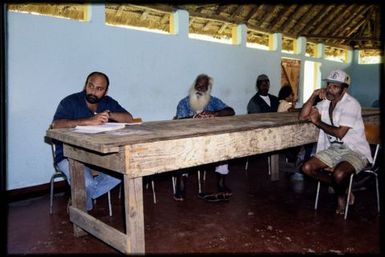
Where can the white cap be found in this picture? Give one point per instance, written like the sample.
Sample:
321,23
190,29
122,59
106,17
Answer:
338,76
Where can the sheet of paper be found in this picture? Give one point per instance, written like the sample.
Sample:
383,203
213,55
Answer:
100,128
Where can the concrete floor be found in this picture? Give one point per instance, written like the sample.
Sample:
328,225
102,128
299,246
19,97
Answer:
261,217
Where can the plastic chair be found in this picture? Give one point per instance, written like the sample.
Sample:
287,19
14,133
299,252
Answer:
57,174
372,133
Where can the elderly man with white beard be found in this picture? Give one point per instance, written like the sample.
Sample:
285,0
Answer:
201,104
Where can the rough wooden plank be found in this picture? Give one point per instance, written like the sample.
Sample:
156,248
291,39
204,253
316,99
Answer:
78,195
133,202
274,167
157,152
111,141
87,141
112,161
155,157
106,233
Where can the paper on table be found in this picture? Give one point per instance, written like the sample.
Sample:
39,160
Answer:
100,128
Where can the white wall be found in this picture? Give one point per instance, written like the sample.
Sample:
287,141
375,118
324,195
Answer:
49,58
366,81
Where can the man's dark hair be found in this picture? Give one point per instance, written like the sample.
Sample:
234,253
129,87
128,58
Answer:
284,92
99,74
260,78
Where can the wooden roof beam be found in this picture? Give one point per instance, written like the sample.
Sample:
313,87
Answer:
317,18
277,22
325,22
342,27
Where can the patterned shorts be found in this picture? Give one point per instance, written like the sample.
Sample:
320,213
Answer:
337,153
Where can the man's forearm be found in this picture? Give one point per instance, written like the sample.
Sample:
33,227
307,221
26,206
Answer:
307,107
228,111
124,117
64,123
338,132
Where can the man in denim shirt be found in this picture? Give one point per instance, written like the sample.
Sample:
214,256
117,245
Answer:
91,106
201,104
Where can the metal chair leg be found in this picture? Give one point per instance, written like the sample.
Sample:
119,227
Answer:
51,194
109,203
153,190
378,194
173,180
57,174
199,182
348,198
316,197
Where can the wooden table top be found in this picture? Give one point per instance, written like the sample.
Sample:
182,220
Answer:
108,142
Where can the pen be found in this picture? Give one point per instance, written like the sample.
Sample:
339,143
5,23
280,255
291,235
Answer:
108,112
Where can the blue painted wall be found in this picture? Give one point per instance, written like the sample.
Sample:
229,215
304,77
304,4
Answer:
366,81
49,58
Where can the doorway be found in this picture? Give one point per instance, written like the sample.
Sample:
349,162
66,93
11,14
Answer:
290,71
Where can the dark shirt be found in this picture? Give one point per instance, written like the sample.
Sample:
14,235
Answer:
258,105
75,107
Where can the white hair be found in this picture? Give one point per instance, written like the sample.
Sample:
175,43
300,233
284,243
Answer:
199,100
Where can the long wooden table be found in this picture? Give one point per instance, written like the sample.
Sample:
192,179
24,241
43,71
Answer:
161,146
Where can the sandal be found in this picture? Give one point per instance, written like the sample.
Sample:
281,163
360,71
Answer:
340,211
214,197
178,198
225,191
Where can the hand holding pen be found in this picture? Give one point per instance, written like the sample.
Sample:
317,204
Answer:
101,117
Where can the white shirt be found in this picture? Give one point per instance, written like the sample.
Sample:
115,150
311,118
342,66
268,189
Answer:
266,98
284,106
346,113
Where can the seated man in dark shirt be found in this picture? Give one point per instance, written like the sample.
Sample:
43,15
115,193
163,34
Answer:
91,106
262,101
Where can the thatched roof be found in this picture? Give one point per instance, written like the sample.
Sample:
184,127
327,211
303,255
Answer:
347,25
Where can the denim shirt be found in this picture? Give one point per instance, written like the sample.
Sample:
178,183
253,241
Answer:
184,110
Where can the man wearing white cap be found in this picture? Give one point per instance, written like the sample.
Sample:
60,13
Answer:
342,148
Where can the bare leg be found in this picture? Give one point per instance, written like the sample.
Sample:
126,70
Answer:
314,168
341,175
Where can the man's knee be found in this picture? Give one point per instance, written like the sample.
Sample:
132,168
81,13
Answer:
308,168
342,171
340,176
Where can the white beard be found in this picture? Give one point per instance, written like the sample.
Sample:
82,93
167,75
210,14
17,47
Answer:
199,100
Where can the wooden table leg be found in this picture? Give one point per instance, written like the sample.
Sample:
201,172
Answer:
78,192
274,161
133,202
